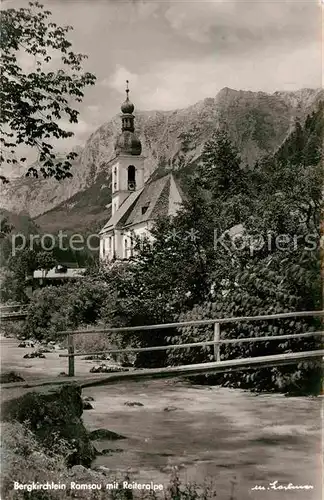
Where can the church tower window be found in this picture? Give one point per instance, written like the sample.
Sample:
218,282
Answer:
114,179
131,178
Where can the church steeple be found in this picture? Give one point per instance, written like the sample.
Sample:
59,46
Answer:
127,142
127,107
128,165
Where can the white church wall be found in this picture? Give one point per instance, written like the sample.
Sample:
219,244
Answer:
120,185
106,247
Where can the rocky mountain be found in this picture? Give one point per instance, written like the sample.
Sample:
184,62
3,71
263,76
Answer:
20,223
257,122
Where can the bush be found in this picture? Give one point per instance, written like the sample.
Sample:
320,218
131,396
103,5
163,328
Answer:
92,342
54,309
46,314
300,378
12,328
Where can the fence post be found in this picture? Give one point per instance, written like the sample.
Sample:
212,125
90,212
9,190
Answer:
71,358
216,340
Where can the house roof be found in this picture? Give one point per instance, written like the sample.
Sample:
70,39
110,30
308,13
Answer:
53,274
157,198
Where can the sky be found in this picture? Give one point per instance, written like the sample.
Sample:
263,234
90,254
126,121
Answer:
175,53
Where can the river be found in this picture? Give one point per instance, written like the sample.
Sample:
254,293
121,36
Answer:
224,434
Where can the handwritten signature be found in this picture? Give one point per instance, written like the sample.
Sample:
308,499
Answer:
276,486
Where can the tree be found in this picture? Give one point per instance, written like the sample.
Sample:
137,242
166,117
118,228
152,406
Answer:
280,275
56,308
5,227
171,279
220,171
20,267
33,104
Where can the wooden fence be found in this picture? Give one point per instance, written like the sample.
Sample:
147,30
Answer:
217,342
13,312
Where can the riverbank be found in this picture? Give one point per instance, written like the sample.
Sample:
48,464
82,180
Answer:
221,433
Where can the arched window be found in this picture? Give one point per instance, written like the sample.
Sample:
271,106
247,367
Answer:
131,178
125,248
115,179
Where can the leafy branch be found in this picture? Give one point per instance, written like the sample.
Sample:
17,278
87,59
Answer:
33,104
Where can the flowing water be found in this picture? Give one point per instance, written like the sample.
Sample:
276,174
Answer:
228,435
225,434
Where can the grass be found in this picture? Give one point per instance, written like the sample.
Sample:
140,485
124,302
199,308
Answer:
24,460
12,328
99,342
92,342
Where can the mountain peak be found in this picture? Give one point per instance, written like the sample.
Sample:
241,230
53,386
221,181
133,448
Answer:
257,123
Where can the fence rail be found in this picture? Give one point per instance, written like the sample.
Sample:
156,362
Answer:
216,342
195,323
12,316
12,312
11,306
213,367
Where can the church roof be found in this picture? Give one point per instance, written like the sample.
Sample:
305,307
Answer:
157,198
122,211
153,201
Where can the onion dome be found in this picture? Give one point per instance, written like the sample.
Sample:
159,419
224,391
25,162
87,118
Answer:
127,106
127,142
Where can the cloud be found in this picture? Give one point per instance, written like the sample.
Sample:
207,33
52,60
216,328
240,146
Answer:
81,131
117,81
93,109
239,20
175,84
145,9
192,19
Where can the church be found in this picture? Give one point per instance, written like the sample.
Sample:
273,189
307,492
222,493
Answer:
135,203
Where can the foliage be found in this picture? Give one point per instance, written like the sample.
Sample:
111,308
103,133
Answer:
19,268
53,309
132,302
34,103
23,457
273,266
170,275
5,227
45,314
